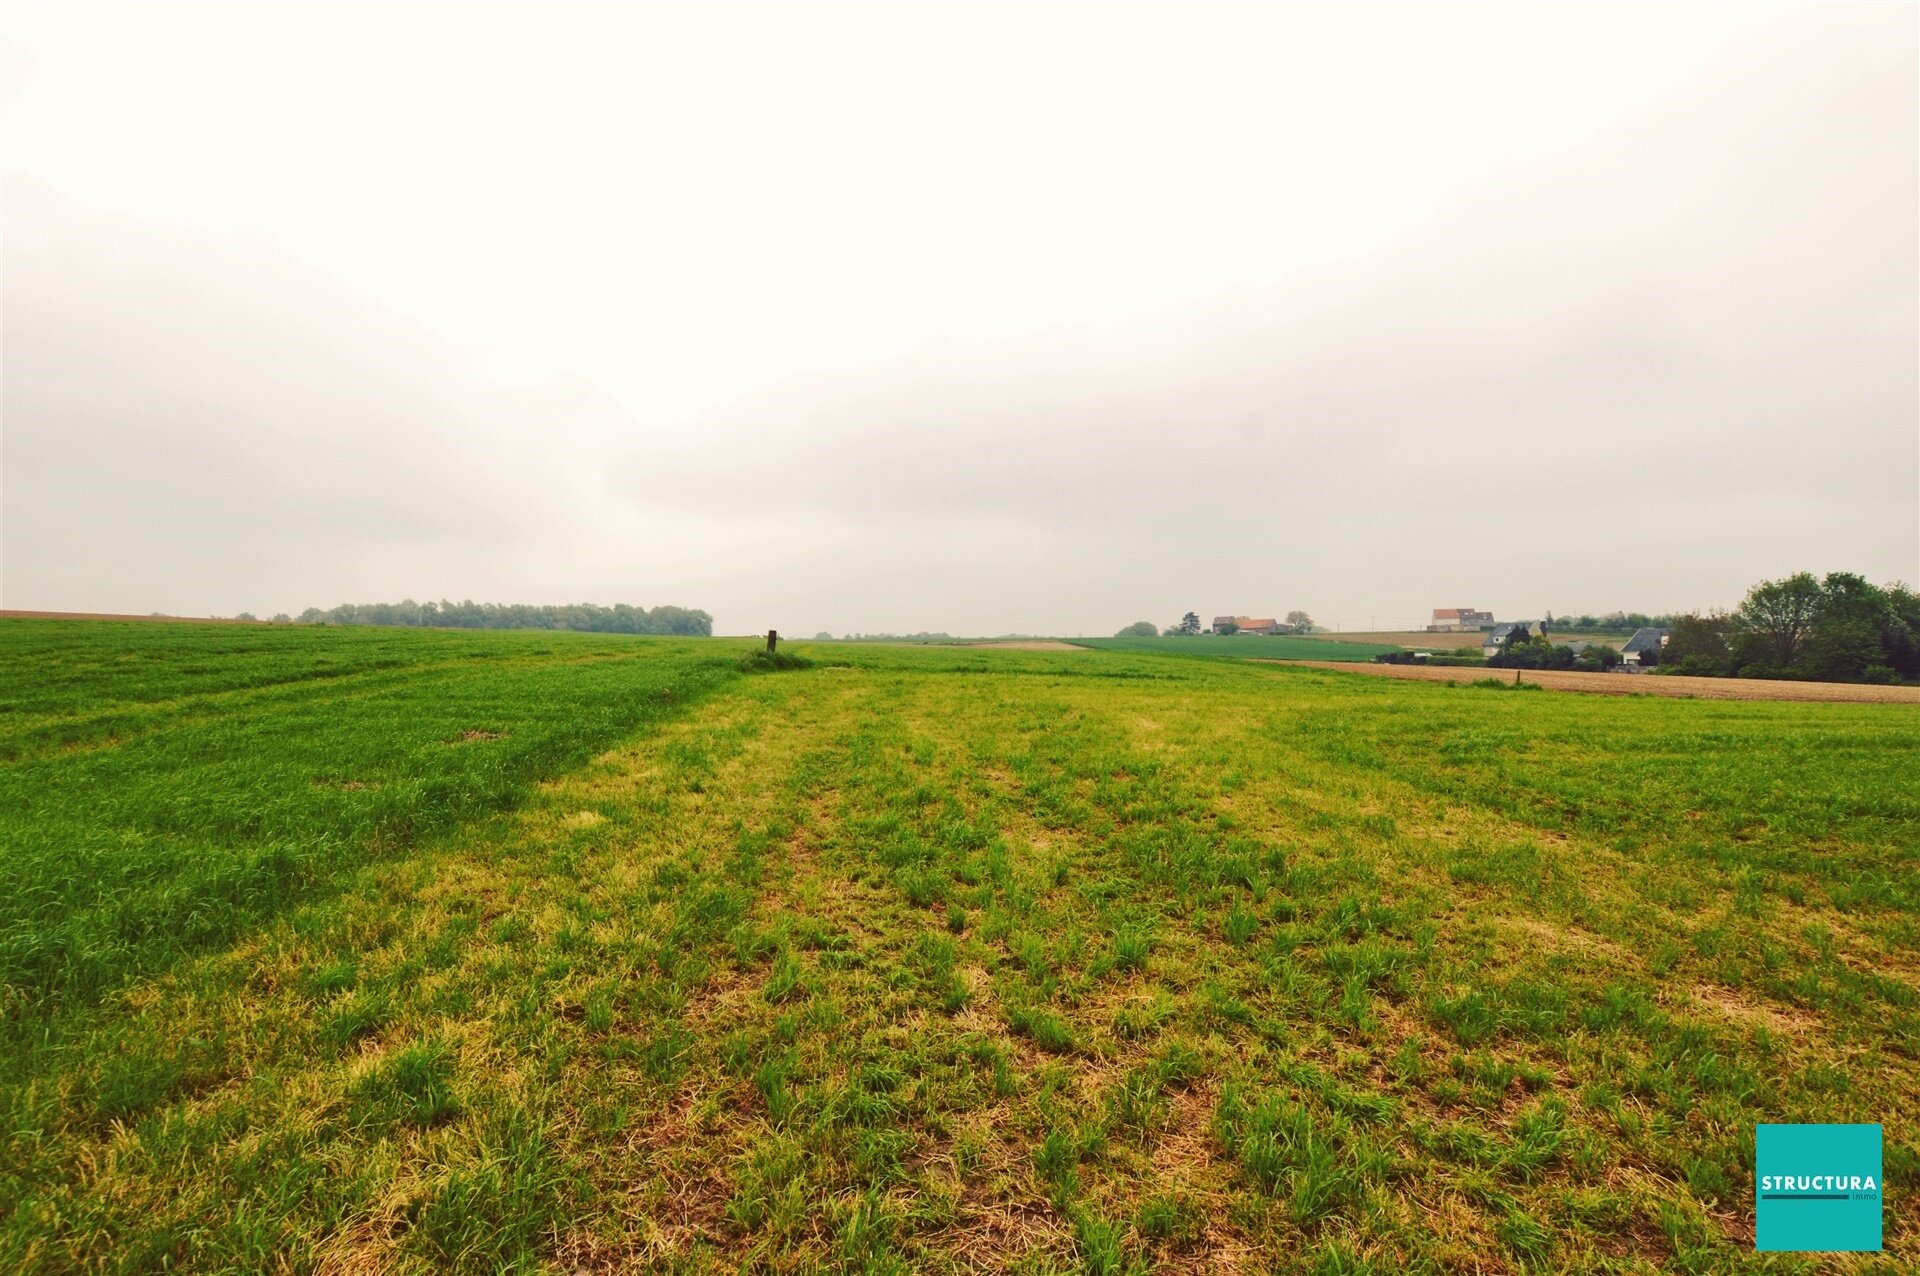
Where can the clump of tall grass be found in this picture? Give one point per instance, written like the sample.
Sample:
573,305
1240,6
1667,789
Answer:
760,660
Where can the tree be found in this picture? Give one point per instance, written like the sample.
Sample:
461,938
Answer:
1902,637
1697,645
1521,650
823,636
1775,621
1226,627
1140,629
1189,625
1842,649
1300,622
1859,632
621,618
1597,658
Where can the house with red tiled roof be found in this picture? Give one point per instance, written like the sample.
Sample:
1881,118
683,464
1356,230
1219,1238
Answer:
1458,620
1249,624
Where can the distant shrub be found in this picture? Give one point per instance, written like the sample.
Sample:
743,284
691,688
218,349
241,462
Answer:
1140,629
1501,684
1698,666
1597,659
760,660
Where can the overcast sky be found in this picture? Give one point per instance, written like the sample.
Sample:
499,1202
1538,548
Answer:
975,318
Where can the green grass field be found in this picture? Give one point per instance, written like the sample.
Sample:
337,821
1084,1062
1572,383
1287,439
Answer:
375,950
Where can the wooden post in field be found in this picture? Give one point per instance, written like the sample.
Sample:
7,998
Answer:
773,640
1516,677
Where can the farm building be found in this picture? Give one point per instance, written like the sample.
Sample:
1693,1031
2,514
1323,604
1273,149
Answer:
1456,620
1498,635
1250,624
1642,642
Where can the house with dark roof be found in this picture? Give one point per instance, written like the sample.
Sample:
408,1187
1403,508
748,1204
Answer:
1642,642
1497,636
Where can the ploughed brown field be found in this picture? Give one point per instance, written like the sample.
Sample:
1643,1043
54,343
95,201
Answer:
1641,684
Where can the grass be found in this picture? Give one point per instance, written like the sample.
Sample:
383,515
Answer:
935,959
173,785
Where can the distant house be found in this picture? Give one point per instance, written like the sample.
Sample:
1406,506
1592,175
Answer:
1497,637
1457,620
1249,624
1642,642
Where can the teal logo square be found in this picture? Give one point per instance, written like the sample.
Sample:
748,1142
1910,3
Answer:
1816,1187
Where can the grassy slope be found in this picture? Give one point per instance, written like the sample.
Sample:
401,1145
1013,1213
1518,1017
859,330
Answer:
1241,647
942,958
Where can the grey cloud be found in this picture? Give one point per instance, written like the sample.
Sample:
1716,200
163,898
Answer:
1680,356
192,421
1642,373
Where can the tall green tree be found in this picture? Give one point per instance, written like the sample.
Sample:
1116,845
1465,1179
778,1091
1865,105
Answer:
1775,622
1858,632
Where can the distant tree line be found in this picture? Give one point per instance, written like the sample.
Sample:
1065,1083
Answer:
585,617
1612,622
1838,628
1189,626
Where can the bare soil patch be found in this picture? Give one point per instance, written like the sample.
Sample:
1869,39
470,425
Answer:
1643,684
1568,937
1746,1010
